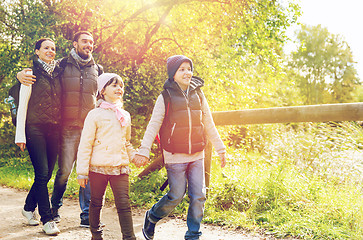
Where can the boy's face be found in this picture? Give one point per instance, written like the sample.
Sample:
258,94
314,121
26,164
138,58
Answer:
183,75
84,46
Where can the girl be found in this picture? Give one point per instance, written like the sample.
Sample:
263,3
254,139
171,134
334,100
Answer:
104,154
182,117
38,126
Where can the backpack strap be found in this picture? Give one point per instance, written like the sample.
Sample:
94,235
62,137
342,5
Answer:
167,98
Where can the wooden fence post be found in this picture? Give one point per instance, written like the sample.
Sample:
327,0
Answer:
207,163
156,164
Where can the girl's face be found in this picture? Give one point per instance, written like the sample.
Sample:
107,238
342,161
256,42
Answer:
114,92
183,75
46,52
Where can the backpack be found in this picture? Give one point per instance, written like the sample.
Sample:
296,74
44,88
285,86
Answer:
13,101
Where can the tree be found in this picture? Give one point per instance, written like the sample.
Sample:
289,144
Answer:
235,45
325,67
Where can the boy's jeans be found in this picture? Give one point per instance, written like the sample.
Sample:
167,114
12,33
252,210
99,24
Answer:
70,137
179,176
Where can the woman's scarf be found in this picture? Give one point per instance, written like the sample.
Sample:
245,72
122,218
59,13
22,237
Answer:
48,67
117,109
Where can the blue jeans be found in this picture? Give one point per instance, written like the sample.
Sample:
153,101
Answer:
181,175
70,137
43,147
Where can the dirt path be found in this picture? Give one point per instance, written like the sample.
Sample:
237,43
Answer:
13,225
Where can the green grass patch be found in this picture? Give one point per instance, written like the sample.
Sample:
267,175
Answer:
313,192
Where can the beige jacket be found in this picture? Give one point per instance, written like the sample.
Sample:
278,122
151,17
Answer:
104,142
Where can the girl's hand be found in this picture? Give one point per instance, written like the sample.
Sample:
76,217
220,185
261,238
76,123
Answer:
82,182
22,146
140,161
223,158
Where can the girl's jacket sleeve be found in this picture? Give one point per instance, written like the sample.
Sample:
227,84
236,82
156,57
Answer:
129,148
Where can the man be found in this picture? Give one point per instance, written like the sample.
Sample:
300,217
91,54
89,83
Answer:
79,90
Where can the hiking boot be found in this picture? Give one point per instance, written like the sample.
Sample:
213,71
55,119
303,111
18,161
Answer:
149,227
50,228
31,217
55,215
85,223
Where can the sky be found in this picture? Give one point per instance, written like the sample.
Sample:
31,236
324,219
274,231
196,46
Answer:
339,17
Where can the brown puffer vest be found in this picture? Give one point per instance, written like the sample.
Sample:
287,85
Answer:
79,90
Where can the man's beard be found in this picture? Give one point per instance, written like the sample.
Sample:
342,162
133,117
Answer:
83,55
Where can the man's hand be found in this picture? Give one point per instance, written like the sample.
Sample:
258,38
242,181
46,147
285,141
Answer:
22,146
140,161
223,158
82,182
25,78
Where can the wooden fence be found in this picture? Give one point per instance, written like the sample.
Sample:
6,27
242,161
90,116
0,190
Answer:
310,113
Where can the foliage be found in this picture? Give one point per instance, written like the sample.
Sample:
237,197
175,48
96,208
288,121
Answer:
325,67
232,43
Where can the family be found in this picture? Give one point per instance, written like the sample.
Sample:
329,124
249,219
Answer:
71,111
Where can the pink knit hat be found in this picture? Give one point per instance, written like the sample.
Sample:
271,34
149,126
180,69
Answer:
104,78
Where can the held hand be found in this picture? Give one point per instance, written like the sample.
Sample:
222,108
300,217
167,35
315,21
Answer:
223,158
140,161
22,146
24,78
82,182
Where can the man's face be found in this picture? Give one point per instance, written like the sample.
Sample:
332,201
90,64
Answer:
84,46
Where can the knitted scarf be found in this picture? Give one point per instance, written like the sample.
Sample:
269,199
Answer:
78,59
48,67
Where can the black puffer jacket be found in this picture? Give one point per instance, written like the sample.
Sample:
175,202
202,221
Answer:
44,103
182,130
79,85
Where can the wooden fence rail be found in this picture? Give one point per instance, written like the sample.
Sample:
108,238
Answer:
309,113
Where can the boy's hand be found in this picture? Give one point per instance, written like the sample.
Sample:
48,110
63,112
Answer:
223,158
82,182
24,78
140,161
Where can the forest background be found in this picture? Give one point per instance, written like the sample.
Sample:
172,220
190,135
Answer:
281,178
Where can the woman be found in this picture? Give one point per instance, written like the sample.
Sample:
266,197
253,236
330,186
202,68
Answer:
38,126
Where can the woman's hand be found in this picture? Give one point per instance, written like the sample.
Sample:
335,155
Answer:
140,161
223,158
22,146
82,182
25,78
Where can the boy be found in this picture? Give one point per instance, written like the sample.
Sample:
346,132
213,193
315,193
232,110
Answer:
182,116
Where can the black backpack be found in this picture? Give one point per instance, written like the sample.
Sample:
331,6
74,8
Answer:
13,101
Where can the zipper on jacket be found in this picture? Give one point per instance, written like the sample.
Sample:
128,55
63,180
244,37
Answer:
189,119
172,132
80,104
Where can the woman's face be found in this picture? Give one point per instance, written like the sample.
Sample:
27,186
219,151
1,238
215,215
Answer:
46,52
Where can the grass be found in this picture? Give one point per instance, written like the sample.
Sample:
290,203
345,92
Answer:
302,181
